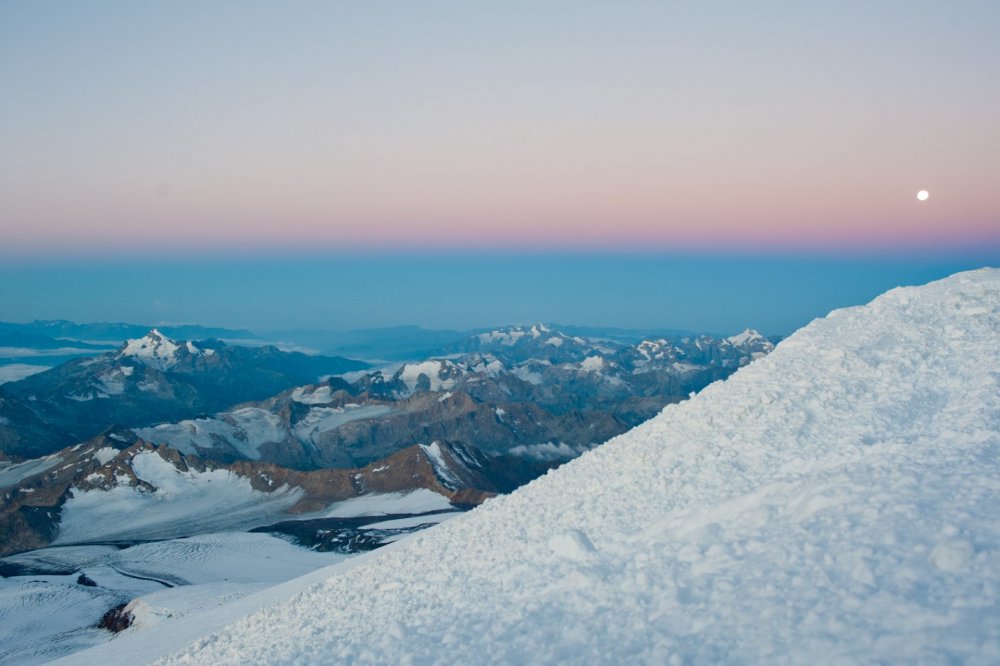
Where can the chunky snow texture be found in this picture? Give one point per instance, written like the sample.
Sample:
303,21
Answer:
836,501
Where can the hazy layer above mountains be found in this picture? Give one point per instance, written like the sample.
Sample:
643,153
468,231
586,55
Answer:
722,292
50,342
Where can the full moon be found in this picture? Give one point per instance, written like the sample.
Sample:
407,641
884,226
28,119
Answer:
922,195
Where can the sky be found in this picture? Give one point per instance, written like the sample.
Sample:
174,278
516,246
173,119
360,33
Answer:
705,143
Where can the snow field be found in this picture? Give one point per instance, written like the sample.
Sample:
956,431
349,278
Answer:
184,503
46,616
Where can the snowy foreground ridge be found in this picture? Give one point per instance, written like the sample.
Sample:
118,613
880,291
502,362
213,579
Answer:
836,501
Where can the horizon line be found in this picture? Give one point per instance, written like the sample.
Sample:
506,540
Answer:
986,250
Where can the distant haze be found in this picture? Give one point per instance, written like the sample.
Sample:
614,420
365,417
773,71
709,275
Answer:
715,293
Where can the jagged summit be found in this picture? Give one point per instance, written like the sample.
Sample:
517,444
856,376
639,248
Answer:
520,342
748,336
511,335
158,351
835,501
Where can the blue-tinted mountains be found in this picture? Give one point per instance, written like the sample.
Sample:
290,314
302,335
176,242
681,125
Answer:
148,379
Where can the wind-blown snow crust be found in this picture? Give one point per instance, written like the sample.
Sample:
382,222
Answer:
836,501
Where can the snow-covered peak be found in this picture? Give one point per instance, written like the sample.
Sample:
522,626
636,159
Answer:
154,349
511,335
651,350
158,351
441,374
748,336
592,364
828,503
538,330
504,337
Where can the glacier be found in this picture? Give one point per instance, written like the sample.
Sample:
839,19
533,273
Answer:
837,501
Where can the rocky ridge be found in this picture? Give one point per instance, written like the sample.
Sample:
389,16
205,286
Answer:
34,494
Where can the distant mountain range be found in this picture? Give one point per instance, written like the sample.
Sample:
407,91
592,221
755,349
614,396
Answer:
148,379
114,333
49,342
530,389
38,345
408,343
233,437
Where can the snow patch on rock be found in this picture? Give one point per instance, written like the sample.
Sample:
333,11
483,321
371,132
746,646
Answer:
433,370
312,396
441,469
105,454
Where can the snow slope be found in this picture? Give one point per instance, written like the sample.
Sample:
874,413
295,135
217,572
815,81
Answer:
185,502
836,501
245,429
46,616
12,474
